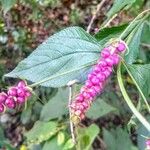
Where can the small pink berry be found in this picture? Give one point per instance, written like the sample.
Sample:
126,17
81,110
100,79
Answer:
21,100
79,98
95,80
21,92
101,77
109,61
12,91
10,103
1,108
90,76
86,95
97,69
88,84
105,53
3,97
115,59
148,144
85,104
121,47
92,92
97,89
28,94
22,84
102,63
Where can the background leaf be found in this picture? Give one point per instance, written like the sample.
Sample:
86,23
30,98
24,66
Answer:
118,140
61,58
86,136
99,108
56,107
7,4
41,131
106,34
119,5
142,77
134,44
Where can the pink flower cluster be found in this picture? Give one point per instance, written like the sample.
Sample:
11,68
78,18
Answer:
96,79
148,144
15,95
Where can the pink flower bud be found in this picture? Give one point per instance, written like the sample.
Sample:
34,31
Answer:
21,92
22,84
95,80
21,100
88,84
102,63
115,59
79,98
105,53
101,77
10,103
121,47
109,61
1,108
3,97
12,91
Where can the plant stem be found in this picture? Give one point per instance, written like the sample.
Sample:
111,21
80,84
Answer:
135,19
129,102
71,123
99,6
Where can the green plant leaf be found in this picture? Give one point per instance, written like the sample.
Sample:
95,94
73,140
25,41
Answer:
134,42
60,138
119,5
86,136
99,108
106,34
118,140
56,106
68,145
7,4
41,131
52,145
142,77
63,57
140,139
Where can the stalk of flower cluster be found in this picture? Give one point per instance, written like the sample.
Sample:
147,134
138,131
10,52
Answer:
110,56
16,95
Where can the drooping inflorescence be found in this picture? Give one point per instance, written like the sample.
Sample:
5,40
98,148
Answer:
15,95
110,56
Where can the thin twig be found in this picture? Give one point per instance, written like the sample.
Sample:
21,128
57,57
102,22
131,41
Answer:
70,84
99,6
110,20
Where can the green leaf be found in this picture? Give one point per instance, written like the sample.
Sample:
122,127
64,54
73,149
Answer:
26,115
52,145
118,5
134,42
142,77
60,138
68,145
63,57
86,136
140,139
99,108
41,131
106,34
7,4
118,140
56,107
